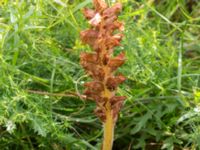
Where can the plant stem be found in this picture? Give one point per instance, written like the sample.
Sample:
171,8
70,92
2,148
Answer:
108,131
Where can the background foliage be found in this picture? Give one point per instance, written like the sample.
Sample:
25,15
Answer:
41,79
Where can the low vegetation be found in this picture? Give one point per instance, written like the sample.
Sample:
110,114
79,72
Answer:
42,81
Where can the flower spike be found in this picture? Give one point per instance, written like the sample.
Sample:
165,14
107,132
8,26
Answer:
101,65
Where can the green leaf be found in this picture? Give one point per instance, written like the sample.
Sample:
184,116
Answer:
168,144
142,122
81,5
38,126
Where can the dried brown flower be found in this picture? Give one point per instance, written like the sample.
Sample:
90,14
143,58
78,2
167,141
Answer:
100,64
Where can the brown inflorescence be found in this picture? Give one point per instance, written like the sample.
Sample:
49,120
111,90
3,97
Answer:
101,64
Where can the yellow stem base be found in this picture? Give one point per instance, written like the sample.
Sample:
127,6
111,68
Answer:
108,132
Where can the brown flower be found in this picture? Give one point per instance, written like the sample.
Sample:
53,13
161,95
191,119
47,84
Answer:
113,82
99,5
117,61
88,13
100,64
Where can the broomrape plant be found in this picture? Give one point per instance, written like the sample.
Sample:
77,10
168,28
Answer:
101,64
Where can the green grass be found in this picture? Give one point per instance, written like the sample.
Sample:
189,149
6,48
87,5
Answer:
40,76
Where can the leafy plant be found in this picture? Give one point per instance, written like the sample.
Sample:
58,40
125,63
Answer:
41,77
